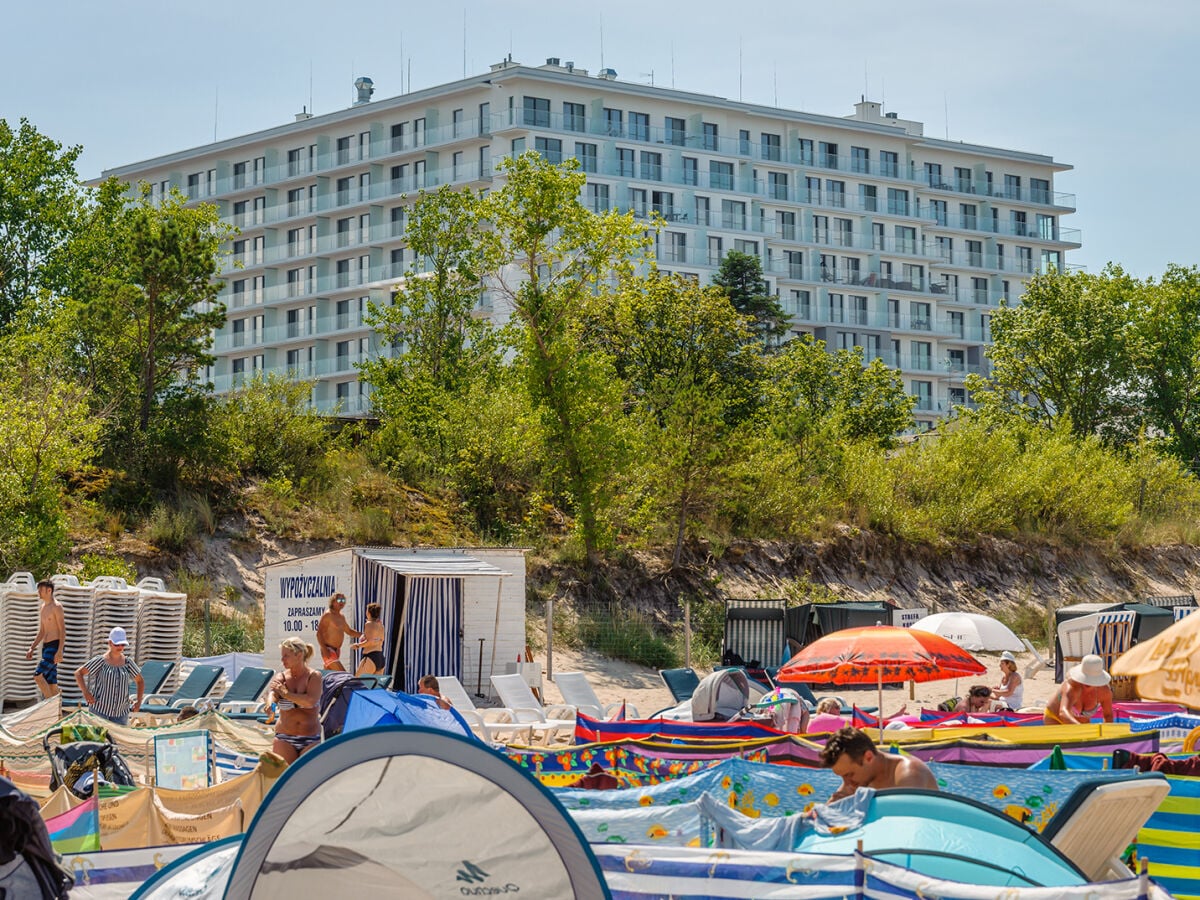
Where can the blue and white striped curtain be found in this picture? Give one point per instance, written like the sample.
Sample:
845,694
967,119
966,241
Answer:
432,645
374,583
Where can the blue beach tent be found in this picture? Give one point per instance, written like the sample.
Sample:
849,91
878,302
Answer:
371,709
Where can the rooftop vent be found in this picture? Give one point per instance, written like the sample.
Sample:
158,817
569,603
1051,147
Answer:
303,114
607,74
891,115
365,87
552,60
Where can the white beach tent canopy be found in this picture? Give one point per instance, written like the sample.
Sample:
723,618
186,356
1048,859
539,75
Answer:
397,812
429,584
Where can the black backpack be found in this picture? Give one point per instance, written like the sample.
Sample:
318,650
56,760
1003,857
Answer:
22,816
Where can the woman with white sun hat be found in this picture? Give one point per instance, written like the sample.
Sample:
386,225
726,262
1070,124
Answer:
1084,694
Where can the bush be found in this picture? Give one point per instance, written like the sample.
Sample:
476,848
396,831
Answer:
168,528
92,565
272,428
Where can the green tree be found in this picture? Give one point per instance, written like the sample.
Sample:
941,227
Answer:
560,261
812,391
741,277
39,199
687,358
271,427
1060,355
144,305
442,346
1164,344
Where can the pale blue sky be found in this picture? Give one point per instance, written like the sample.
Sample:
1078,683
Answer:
1109,87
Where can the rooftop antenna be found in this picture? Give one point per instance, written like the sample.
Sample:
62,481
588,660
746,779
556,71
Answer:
402,62
410,74
672,65
602,41
464,42
739,69
216,106
649,75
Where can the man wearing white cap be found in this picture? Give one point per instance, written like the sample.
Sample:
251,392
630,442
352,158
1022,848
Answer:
1084,694
110,674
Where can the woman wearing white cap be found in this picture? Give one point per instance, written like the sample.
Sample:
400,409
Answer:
1084,694
1010,693
110,675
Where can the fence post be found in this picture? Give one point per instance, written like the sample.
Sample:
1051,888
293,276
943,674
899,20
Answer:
687,632
550,640
207,627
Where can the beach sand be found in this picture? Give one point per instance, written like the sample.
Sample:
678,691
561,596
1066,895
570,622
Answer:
616,680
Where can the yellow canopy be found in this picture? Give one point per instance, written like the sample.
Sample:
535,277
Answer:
1167,665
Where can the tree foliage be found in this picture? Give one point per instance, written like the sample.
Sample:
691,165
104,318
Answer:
40,197
740,275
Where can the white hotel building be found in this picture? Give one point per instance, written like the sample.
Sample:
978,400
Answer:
871,234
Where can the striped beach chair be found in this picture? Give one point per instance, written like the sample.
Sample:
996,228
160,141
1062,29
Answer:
1114,634
1182,611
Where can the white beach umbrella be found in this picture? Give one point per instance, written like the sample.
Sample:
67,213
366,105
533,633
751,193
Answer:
971,631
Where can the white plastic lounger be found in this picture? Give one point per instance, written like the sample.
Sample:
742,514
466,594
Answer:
490,723
579,693
1099,820
515,695
1039,661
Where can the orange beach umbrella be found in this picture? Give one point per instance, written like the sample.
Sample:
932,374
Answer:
877,654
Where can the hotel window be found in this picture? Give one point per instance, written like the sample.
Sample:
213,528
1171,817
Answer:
851,268
295,201
703,216
676,247
549,148
944,247
710,135
343,151
343,273
364,186
843,233
675,130
239,251
260,210
889,163
364,145
237,368
812,189
720,175
1020,226
897,201
663,203
1012,187
1039,190
962,180
975,253
785,224
638,201
968,216
794,261
691,170
836,308
919,315
744,142
777,185
876,235
518,146
770,146
485,161
259,250
639,126
979,290
827,155
456,127
613,122
835,193
750,248
858,309
906,239
295,241
871,345
933,175
1045,228
625,162
396,258
399,215
419,173
924,394
715,250
239,213
922,355
399,174
399,136
573,119
210,184
1025,259
260,169
485,118
802,304
860,159
806,151
295,282
733,214
193,186
938,208
419,132
586,154
956,323
344,186
597,197
847,340
651,166
239,293
821,229
868,197
988,182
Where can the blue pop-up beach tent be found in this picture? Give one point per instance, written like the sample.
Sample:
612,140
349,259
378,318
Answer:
370,709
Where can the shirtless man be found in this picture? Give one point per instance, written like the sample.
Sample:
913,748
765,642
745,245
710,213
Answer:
854,756
371,643
1085,693
296,693
52,634
331,631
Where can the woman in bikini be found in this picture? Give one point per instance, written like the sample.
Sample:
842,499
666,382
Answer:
371,643
1010,693
296,692
1084,694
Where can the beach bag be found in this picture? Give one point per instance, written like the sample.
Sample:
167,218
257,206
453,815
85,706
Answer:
949,705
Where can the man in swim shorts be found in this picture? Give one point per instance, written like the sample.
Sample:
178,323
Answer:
52,634
331,631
